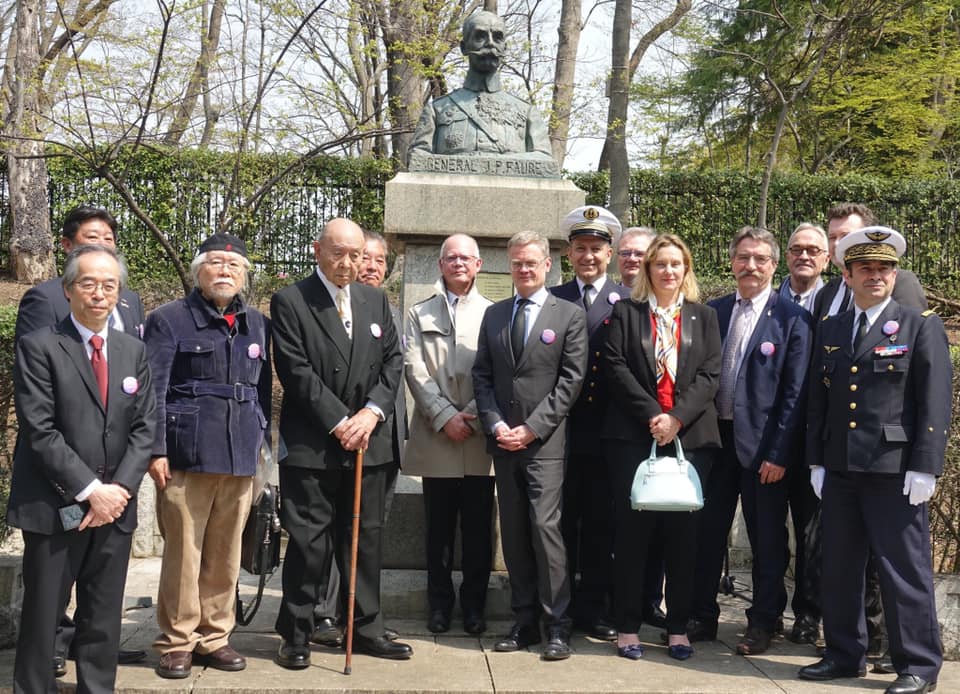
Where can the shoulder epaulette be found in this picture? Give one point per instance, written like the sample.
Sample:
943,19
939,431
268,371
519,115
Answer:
824,318
927,312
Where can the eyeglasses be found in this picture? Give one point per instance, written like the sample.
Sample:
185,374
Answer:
759,260
526,264
233,267
90,286
626,255
454,259
812,251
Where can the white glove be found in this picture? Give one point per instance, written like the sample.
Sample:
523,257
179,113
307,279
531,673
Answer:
817,473
919,486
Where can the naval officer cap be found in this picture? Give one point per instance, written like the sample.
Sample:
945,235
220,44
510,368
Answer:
870,243
591,220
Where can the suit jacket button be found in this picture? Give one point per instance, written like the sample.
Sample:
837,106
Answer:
589,398
594,369
889,367
853,425
853,387
929,428
853,405
854,369
100,470
597,354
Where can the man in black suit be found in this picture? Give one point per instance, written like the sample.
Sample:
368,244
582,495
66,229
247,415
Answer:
86,409
766,350
327,629
587,515
879,411
530,366
44,306
338,357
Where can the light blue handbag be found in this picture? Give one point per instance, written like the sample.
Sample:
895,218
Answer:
665,483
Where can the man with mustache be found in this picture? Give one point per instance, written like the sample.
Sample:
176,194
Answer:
210,358
481,118
766,350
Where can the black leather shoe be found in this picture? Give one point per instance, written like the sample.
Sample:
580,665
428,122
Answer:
911,684
655,617
520,636
805,630
474,623
754,642
326,632
130,657
701,631
884,666
59,666
390,634
439,622
381,647
175,665
599,628
558,644
828,670
292,657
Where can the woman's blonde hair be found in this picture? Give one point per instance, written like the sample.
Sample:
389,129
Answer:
644,287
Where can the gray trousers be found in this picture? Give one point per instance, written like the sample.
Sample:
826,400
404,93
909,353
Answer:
529,494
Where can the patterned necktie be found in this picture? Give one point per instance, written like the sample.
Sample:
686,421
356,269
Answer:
518,331
99,365
587,296
731,359
862,330
666,346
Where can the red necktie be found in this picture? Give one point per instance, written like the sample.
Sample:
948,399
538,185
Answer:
99,365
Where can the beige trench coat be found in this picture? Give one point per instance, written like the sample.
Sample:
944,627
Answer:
438,358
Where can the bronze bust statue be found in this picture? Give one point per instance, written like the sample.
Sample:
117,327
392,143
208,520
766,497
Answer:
479,128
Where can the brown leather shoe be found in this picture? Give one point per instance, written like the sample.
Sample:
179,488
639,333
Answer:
175,665
754,642
225,658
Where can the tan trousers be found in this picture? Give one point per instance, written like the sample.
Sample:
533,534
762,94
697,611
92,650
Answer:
201,517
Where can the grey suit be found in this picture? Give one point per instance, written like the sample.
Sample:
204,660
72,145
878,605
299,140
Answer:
67,440
537,391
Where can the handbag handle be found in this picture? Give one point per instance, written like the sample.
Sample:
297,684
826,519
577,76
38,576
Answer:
680,457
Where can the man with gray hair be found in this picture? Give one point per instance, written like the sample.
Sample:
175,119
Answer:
530,365
631,250
447,447
766,351
806,261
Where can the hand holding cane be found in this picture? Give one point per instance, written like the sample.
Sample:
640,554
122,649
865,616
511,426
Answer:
354,548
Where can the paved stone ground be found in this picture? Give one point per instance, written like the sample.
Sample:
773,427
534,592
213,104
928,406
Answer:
456,662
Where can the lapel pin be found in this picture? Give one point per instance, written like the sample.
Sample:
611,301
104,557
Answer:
253,351
548,337
767,349
612,298
376,330
130,385
890,328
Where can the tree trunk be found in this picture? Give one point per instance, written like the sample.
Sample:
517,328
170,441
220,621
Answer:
199,84
404,83
564,73
616,140
31,243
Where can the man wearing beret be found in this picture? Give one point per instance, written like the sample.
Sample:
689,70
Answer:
587,517
879,409
210,358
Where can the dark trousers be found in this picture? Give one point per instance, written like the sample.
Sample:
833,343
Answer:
469,500
529,495
96,560
653,575
328,607
638,530
803,505
864,512
765,513
587,523
317,513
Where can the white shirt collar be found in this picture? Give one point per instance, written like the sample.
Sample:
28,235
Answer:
760,300
331,287
597,284
872,313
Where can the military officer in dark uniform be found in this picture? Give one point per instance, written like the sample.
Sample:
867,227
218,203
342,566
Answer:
587,511
879,409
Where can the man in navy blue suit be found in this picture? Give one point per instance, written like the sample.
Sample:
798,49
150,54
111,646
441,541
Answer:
587,511
766,350
877,421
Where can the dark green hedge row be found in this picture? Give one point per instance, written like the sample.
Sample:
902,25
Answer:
184,193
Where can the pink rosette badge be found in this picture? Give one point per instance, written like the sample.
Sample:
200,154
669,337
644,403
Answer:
253,351
767,349
130,385
612,298
891,327
376,330
548,337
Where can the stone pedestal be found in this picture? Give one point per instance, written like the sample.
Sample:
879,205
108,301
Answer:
422,209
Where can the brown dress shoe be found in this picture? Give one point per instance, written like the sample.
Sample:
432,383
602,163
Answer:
175,665
754,642
225,658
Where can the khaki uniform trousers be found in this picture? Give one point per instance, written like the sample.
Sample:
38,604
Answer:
201,519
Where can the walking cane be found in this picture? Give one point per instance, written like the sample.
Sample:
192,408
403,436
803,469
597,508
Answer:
354,549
